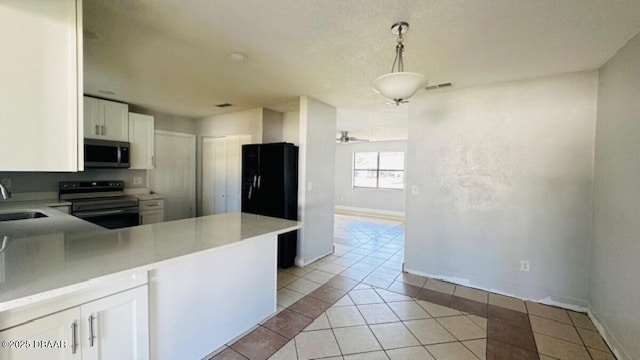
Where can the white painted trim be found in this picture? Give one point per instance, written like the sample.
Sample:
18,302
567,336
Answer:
366,211
608,336
174,133
300,261
577,305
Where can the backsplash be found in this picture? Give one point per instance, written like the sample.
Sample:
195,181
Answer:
25,182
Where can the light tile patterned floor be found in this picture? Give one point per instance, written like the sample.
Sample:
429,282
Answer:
357,304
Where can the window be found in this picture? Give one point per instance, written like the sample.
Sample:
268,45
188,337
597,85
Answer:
383,170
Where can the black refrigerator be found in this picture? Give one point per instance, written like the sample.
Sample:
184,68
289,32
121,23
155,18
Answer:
270,187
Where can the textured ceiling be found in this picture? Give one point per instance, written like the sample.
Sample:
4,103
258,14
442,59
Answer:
173,55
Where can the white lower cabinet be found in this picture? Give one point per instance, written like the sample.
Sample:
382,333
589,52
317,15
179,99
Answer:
50,337
151,211
116,327
113,327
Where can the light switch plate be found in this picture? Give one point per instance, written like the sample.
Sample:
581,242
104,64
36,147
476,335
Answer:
414,189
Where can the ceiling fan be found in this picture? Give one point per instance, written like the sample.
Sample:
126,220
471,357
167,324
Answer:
346,139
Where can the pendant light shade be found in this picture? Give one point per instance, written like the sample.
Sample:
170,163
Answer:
399,85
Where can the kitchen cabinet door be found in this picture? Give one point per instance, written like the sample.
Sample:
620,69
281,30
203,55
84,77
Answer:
151,217
50,337
41,85
92,117
141,138
106,120
117,326
116,121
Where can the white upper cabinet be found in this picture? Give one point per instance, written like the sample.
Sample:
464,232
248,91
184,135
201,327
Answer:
141,139
41,85
105,120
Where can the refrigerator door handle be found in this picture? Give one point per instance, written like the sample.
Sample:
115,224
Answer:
250,191
255,179
259,178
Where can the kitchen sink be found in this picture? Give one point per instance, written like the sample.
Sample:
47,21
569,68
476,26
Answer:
21,215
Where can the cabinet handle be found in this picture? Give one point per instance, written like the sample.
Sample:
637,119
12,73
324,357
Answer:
102,129
74,343
92,336
97,129
259,178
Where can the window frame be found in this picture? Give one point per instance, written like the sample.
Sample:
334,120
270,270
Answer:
377,170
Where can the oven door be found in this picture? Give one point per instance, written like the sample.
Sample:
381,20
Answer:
112,218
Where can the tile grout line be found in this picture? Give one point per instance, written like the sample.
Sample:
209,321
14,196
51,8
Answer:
377,265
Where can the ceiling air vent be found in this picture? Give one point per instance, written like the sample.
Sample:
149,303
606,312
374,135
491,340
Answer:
439,86
224,105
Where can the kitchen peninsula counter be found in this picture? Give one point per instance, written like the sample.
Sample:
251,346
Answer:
39,267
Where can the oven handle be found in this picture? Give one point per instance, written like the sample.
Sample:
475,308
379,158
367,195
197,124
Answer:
89,214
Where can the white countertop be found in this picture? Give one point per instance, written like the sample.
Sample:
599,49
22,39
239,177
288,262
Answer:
55,222
38,267
143,197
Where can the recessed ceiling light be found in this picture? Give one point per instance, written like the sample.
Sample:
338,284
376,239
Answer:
223,105
238,56
106,92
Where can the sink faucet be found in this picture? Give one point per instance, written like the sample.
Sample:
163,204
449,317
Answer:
4,192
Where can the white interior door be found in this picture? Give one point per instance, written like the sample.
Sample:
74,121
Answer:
221,173
174,175
213,175
234,171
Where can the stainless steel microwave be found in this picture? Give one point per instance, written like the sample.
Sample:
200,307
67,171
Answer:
106,154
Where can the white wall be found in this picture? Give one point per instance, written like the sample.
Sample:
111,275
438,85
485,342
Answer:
167,122
615,259
241,122
376,201
291,127
504,174
271,126
316,179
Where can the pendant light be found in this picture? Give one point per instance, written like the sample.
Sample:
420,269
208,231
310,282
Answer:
399,85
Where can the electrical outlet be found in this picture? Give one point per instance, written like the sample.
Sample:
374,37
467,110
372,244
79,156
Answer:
6,182
137,180
524,265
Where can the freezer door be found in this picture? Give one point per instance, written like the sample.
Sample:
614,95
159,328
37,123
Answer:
271,184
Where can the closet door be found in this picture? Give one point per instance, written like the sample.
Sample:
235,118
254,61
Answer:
234,170
222,173
213,175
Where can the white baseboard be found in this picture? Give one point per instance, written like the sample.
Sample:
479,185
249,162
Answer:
608,336
301,262
350,210
565,303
